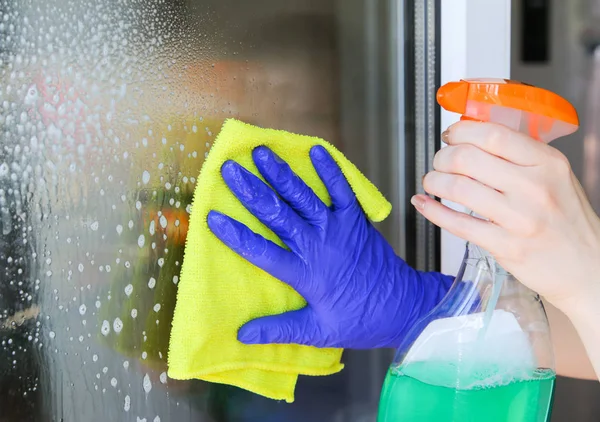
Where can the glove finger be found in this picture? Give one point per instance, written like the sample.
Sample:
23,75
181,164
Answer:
257,250
341,193
264,203
296,327
289,186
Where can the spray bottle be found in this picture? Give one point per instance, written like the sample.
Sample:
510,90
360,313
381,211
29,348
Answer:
485,352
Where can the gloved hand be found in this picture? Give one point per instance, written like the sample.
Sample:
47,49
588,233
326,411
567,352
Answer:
360,294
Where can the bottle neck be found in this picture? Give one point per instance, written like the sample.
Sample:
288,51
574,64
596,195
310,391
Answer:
477,255
482,269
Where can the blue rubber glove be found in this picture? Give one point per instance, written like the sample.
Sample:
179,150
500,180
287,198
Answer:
360,295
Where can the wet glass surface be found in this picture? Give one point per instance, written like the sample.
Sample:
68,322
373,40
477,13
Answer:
107,111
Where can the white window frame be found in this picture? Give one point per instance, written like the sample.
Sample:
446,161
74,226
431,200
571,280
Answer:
475,43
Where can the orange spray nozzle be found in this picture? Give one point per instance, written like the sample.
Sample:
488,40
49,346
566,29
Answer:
537,112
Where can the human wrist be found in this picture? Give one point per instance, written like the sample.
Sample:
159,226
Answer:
581,304
420,293
584,315
582,309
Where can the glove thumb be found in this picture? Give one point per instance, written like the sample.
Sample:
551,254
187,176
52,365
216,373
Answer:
296,327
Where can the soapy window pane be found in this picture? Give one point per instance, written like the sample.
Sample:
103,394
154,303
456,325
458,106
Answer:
107,111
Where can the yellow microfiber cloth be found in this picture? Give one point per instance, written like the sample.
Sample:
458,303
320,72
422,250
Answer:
219,291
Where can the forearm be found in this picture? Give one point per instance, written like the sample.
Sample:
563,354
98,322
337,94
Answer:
438,285
586,320
423,289
413,294
570,354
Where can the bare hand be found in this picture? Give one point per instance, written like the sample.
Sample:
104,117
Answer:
542,228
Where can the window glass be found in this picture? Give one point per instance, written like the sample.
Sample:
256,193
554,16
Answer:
107,111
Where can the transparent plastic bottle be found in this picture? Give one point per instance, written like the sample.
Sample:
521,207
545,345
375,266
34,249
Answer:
485,352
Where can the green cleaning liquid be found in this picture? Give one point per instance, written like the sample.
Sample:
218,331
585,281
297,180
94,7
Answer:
407,399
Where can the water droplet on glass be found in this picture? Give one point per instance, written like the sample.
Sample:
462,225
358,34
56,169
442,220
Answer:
141,241
163,221
117,325
80,267
126,364
134,313
157,307
95,358
119,229
4,169
145,177
82,309
129,289
94,226
151,282
113,382
163,377
138,205
105,329
127,405
147,384
152,228
52,334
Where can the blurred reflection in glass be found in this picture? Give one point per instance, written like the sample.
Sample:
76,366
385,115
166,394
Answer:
291,75
107,111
